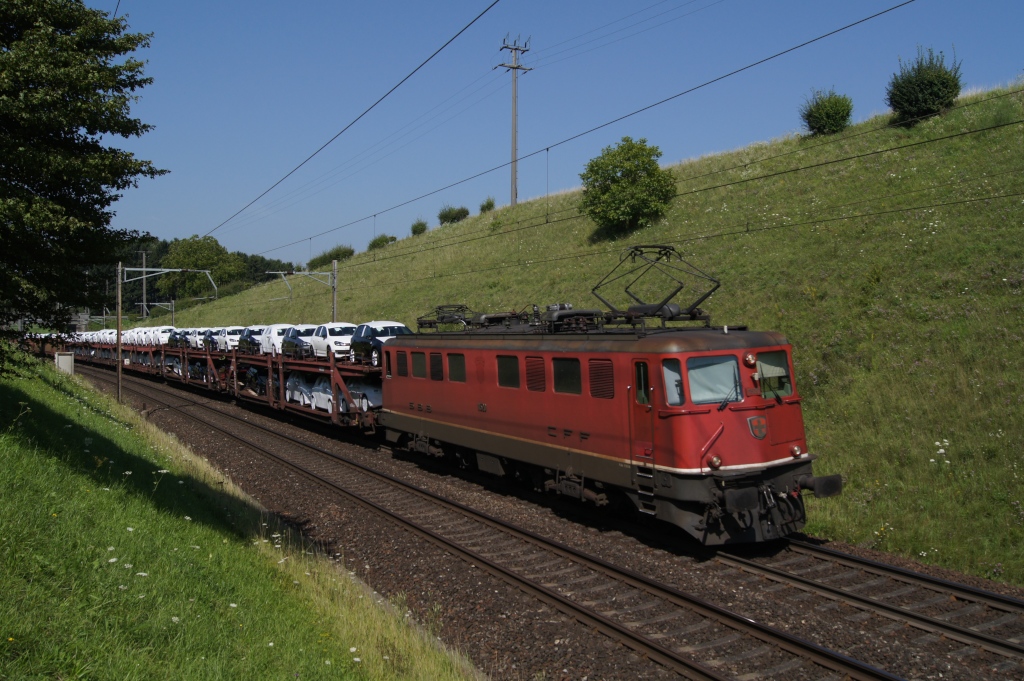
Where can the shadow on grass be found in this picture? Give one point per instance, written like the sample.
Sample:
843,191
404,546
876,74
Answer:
108,464
609,234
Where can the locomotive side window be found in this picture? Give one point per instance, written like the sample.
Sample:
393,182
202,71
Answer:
419,365
567,376
773,372
508,371
403,363
436,367
535,375
387,364
602,379
673,373
714,380
457,367
643,384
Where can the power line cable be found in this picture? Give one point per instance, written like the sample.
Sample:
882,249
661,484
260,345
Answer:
704,189
611,122
547,61
833,139
354,121
715,235
738,228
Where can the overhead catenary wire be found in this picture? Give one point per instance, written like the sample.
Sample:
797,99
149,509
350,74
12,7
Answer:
357,118
399,251
738,228
330,178
788,171
610,122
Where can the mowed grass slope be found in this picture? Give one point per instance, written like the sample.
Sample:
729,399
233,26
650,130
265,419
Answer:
893,260
123,557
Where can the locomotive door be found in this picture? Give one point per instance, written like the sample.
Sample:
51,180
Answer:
641,418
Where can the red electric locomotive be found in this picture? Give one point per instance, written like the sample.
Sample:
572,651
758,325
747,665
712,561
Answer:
698,426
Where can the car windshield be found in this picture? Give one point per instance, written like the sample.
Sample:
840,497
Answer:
344,331
305,332
393,331
234,332
280,332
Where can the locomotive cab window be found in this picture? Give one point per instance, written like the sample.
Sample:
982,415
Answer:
673,373
508,371
403,363
568,378
457,368
714,380
773,374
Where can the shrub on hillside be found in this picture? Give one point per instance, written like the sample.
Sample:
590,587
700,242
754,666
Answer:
488,205
826,113
418,227
338,253
625,188
452,214
380,241
923,87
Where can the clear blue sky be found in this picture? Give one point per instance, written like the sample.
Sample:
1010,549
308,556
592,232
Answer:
244,91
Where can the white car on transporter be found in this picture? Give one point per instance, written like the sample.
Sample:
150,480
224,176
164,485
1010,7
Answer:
332,337
272,337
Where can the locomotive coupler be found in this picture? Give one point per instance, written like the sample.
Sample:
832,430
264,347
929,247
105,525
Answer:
823,486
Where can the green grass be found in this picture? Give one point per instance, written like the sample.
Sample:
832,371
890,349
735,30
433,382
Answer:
121,556
897,276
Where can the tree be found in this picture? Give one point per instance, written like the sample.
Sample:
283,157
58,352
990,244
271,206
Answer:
923,87
339,253
418,227
64,92
198,253
826,113
449,214
380,241
624,188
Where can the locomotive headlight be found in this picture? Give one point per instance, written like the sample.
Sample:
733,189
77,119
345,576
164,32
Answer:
796,451
750,360
715,462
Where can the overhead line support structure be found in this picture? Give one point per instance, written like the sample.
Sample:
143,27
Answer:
122,277
516,49
332,281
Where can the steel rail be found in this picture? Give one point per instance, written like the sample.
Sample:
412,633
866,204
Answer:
949,630
962,591
824,657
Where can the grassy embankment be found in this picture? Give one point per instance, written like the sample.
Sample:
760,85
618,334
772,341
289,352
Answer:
122,556
897,276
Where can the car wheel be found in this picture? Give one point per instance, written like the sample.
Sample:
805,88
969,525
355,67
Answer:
352,356
375,357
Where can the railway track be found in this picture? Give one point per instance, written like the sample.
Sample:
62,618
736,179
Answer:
977,618
693,637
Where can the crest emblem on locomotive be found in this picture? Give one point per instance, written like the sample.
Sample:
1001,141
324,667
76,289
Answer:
758,426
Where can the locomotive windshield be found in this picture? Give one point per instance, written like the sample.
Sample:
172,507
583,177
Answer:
773,371
714,380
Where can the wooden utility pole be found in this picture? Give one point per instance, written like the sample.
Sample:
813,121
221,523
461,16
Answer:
515,48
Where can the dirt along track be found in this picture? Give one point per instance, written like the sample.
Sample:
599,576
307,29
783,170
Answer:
512,635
